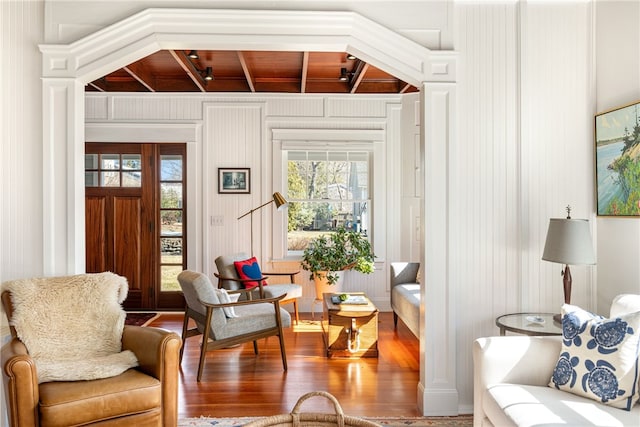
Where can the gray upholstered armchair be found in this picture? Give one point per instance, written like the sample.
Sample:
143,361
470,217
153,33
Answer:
226,323
228,278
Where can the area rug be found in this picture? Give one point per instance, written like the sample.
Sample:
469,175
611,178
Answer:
459,421
139,319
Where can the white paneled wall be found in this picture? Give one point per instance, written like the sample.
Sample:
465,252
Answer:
237,131
233,139
410,228
557,143
21,146
618,84
21,219
486,194
524,151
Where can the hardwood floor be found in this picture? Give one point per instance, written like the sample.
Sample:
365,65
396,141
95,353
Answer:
236,382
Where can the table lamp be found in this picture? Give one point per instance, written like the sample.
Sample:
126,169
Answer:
280,203
568,242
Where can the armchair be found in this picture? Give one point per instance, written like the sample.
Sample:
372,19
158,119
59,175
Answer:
243,321
229,279
144,395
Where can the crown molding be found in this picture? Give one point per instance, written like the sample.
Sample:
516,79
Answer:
155,29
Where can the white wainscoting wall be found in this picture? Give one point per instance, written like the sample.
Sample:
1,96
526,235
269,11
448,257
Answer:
524,151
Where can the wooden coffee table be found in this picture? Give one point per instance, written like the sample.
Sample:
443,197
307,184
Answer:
350,330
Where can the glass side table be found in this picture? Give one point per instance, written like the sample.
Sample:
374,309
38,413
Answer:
529,324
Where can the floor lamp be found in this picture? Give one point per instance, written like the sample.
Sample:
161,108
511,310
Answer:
280,203
568,242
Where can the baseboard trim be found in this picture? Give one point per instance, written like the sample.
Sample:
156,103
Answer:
439,402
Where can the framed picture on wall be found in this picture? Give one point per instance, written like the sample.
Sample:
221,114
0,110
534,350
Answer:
234,180
617,135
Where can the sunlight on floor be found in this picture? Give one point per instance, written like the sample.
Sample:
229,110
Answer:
307,326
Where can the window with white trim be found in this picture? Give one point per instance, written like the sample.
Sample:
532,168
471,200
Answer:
326,190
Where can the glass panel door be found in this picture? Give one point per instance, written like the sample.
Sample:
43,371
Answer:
172,216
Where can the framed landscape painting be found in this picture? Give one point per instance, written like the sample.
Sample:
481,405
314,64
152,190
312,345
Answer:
617,136
234,180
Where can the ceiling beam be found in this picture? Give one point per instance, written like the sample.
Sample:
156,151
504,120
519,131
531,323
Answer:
404,86
358,75
303,75
157,74
138,72
190,69
247,72
99,85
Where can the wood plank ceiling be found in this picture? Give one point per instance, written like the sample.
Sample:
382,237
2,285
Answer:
250,71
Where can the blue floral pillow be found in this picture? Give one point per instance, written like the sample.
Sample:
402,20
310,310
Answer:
599,357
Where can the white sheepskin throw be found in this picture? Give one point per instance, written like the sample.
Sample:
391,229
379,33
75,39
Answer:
72,326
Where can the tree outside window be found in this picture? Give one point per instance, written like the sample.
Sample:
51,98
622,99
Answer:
326,190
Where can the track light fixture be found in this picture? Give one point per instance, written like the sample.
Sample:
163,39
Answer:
344,75
208,74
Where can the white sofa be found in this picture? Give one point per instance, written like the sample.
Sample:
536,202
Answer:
511,374
405,295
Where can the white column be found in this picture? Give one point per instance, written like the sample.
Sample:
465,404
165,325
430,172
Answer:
437,392
63,176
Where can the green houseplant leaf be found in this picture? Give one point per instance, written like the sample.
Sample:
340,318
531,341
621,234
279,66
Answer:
342,250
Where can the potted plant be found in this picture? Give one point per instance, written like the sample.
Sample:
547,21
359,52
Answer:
328,255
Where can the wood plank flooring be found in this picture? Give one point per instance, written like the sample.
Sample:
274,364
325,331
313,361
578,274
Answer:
236,382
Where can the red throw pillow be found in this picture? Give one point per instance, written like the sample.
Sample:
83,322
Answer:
249,269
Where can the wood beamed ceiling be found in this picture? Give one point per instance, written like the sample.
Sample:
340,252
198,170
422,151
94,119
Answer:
250,71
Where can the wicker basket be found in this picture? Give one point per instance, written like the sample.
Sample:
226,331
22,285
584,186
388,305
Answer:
296,418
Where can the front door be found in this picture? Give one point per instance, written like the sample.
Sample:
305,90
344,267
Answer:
134,210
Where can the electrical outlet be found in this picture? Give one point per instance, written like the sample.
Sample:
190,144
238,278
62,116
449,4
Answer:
217,220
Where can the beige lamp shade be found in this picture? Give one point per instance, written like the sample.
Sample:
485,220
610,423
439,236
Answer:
569,242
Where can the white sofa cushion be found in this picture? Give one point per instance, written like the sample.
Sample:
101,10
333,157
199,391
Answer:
624,303
406,303
599,357
528,406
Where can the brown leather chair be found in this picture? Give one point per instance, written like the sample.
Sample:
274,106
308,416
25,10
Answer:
143,396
